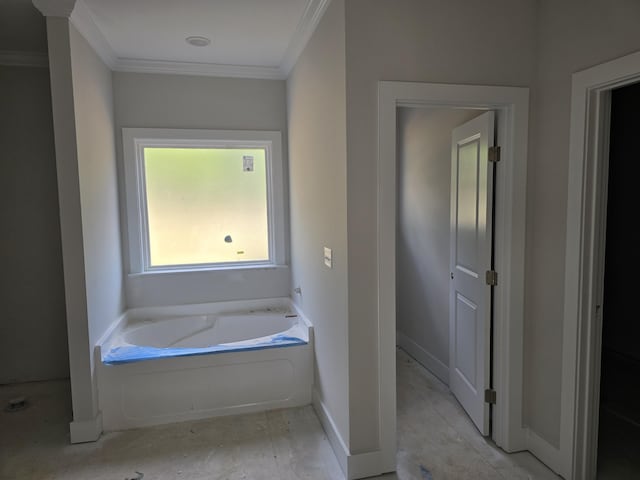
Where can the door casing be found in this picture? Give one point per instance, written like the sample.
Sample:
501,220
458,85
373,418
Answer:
584,264
512,108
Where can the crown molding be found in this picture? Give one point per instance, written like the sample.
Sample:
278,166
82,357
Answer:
308,22
195,68
23,59
55,8
82,19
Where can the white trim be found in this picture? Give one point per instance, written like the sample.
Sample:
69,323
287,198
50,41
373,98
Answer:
544,451
584,268
424,357
86,430
511,104
310,19
82,19
115,327
333,435
137,65
135,139
55,8
11,58
363,465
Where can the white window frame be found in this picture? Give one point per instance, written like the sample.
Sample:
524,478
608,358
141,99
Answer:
135,140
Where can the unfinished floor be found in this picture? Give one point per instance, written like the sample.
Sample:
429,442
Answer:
434,438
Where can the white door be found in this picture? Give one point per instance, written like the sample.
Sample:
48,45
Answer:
471,252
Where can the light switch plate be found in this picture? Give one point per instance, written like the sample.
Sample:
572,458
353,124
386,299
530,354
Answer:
328,257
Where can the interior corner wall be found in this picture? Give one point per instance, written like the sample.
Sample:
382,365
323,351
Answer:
94,119
87,188
423,232
33,333
317,164
58,35
572,35
145,100
409,40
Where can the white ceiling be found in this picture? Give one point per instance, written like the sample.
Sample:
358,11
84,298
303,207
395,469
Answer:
242,32
249,38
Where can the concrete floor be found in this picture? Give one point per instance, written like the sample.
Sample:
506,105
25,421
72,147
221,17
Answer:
434,438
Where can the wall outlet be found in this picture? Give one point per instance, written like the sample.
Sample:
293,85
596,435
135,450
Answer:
328,257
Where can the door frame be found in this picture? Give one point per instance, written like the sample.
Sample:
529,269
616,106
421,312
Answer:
584,265
512,107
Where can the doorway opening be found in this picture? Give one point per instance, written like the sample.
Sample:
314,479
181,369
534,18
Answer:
511,106
619,412
586,263
444,246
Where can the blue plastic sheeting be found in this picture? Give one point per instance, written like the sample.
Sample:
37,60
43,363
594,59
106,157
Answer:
135,353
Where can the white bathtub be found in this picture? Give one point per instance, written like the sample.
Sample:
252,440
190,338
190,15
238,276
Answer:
172,364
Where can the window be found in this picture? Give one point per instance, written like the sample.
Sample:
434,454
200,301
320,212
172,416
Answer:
203,199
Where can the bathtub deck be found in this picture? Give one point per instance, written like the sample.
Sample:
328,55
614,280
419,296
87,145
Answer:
135,353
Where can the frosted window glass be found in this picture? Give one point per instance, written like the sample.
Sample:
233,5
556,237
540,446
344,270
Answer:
206,205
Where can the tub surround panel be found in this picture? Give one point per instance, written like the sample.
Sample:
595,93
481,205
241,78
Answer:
177,288
164,390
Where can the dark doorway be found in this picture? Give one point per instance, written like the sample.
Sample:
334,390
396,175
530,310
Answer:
619,426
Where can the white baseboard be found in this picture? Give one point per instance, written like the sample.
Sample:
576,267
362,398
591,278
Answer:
427,360
361,465
365,465
544,451
86,430
335,439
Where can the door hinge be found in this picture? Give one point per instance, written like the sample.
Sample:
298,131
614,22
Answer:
490,396
494,154
492,278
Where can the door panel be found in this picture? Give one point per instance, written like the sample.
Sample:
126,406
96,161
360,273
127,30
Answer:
466,322
469,295
467,204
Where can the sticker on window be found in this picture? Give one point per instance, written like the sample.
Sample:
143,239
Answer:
247,163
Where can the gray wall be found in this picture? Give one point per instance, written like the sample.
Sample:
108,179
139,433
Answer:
572,35
33,332
413,40
317,162
423,232
182,101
